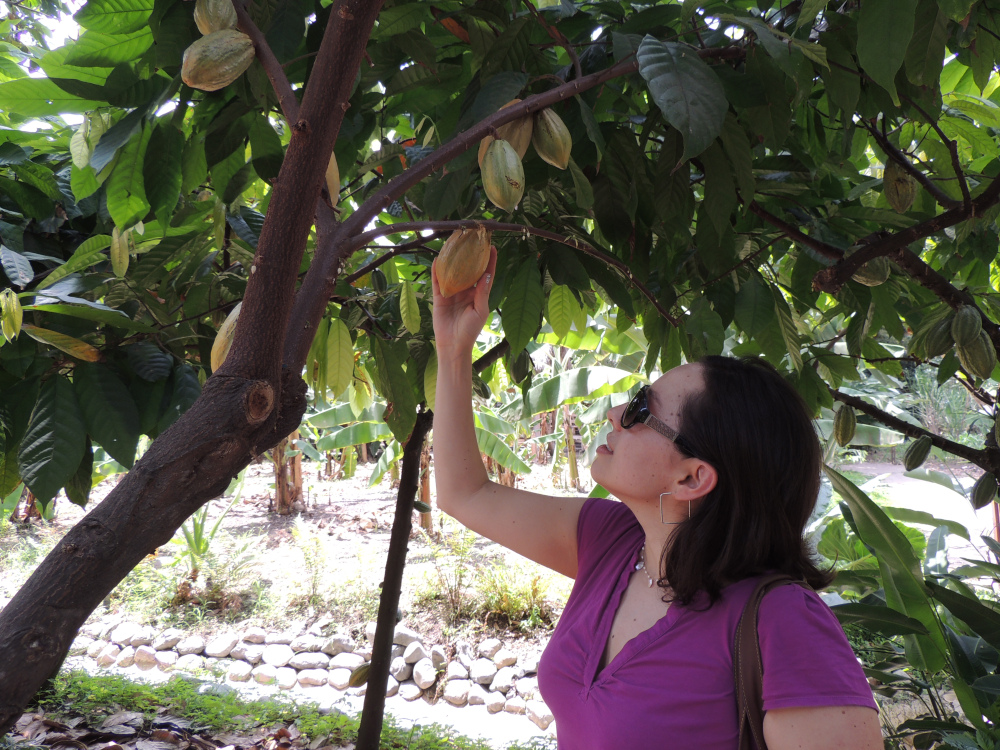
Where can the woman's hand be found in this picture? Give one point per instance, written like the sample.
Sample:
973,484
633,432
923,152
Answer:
459,319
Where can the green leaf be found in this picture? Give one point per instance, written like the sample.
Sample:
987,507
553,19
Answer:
494,424
789,332
186,390
82,482
16,267
355,434
86,312
884,31
88,253
562,309
32,202
400,19
339,358
686,90
162,170
94,49
584,191
984,621
499,451
72,346
430,381
40,178
408,309
737,146
522,310
390,455
114,16
401,407
925,53
342,414
40,97
265,148
54,445
808,12
108,410
882,619
126,189
754,306
579,384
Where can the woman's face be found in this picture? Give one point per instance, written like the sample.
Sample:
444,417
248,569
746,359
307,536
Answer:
639,463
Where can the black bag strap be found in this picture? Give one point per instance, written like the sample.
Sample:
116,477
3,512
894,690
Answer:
747,667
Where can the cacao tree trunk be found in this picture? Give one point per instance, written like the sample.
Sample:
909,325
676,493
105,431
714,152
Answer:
574,472
426,519
392,585
287,475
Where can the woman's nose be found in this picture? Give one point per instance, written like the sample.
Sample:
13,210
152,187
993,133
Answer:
614,416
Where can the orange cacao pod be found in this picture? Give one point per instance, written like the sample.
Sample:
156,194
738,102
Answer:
462,260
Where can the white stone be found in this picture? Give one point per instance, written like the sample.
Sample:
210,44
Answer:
108,655
456,692
254,635
439,656
527,687
281,639
286,677
337,643
166,660
124,633
477,695
539,713
514,705
239,671
167,639
370,631
265,674
95,648
489,647
306,643
397,650
365,652
529,663
455,671
79,645
277,654
424,673
483,671
340,678
248,652
190,662
91,630
503,680
400,669
404,636
391,687
144,636
347,661
309,660
414,653
312,677
108,624
495,702
464,654
221,646
409,691
126,658
193,644
504,658
321,624
145,657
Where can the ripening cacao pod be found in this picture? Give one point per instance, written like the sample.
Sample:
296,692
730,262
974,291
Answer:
551,139
333,179
224,338
979,358
503,175
844,425
899,187
938,340
516,133
966,325
359,675
216,60
917,453
214,15
462,260
984,490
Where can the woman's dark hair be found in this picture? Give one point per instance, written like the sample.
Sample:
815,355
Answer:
753,427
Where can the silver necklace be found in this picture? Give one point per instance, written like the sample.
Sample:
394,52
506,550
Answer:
641,565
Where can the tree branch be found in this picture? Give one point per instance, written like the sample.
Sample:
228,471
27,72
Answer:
559,38
803,239
900,158
952,149
498,351
275,73
409,247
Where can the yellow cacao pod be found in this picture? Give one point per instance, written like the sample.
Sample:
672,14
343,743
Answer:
551,139
462,260
899,187
503,175
333,179
214,15
216,60
224,338
516,133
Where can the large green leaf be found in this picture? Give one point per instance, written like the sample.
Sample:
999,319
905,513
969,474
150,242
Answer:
89,252
342,414
339,358
561,310
572,386
882,620
95,49
884,31
499,451
401,407
409,311
355,434
522,310
126,188
984,621
53,446
108,410
86,312
186,389
40,97
161,170
686,90
390,455
114,16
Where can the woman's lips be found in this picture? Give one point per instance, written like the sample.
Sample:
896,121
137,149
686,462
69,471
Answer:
604,449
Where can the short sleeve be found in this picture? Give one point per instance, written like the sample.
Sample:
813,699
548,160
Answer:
806,657
601,526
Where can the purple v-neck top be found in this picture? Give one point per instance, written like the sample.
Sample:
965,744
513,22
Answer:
672,685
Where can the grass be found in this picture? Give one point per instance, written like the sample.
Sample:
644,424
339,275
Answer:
76,693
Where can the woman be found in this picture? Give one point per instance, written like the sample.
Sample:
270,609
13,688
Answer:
717,467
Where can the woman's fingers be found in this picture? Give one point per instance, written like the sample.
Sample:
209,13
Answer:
485,284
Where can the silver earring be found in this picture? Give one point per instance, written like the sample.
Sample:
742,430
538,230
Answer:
671,523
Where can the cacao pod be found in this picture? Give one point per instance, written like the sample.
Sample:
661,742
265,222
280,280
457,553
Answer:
984,490
224,338
899,187
503,175
874,272
216,60
333,179
516,133
966,325
214,15
979,358
917,453
938,340
551,139
11,314
462,260
844,425
359,675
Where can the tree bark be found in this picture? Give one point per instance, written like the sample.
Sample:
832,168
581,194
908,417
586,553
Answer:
392,585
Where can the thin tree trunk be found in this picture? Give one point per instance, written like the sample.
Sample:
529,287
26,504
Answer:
426,519
574,472
282,503
392,585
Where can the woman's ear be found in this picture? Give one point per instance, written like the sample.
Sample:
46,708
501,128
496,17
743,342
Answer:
699,481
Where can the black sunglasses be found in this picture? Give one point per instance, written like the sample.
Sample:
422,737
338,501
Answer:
638,411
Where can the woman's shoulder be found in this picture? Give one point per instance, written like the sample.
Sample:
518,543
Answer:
604,524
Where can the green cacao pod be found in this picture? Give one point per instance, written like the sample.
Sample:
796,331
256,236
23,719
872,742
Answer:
917,453
966,325
216,60
938,340
214,15
979,358
874,272
844,425
551,139
516,133
899,188
462,260
984,491
503,175
359,675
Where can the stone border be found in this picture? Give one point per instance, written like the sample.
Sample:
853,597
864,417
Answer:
488,673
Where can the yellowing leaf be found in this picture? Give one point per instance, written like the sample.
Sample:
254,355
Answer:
339,357
73,347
